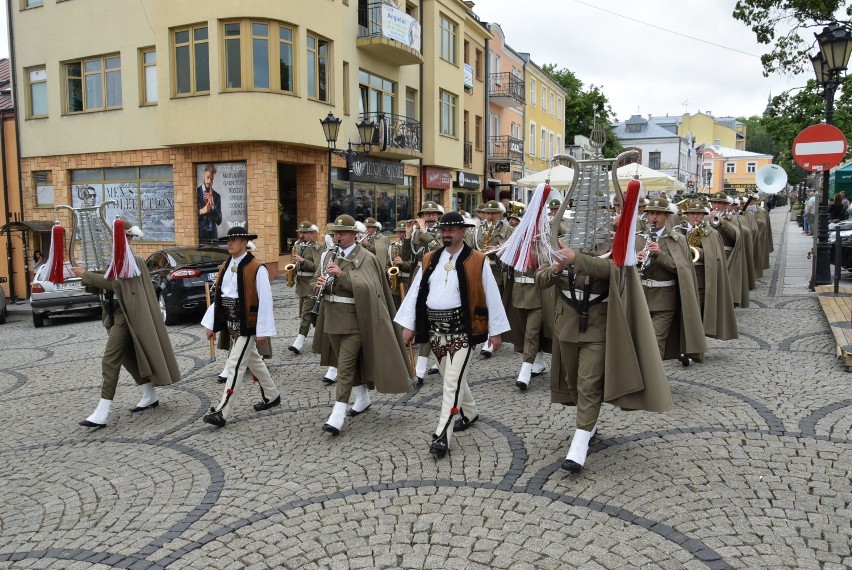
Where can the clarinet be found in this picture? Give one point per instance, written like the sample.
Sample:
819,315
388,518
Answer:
329,280
652,236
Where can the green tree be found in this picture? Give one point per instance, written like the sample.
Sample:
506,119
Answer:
758,138
788,27
584,106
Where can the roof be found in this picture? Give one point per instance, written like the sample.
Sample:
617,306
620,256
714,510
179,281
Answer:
648,130
6,102
727,152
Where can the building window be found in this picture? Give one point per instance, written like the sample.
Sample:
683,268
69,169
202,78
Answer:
543,99
285,59
543,148
560,107
411,103
36,92
377,93
448,39
552,105
478,64
319,70
43,184
345,87
192,61
232,60
533,134
552,150
654,160
466,53
93,84
532,93
730,168
751,167
148,64
448,113
558,149
32,3
477,133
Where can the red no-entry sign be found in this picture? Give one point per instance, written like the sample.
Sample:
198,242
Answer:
819,147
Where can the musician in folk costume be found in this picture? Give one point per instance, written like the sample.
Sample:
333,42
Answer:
137,335
243,307
454,304
421,238
488,237
668,280
306,256
603,347
356,314
711,275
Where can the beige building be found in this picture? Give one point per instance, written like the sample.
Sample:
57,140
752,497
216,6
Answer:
455,91
150,92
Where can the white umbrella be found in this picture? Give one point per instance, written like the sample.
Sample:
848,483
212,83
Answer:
652,180
560,177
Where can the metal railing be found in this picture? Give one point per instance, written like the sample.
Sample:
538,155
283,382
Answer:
506,85
402,132
468,154
506,147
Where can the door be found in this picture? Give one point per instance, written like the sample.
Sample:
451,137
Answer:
287,206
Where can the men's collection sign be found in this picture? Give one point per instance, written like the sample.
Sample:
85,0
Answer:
381,171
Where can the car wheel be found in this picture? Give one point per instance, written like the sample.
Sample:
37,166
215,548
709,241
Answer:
38,321
168,318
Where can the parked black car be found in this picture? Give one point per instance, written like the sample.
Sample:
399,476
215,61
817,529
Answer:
179,275
845,243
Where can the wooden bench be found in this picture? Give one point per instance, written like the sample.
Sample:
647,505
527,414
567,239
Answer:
838,311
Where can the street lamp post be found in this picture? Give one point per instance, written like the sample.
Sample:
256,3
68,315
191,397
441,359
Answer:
331,129
835,46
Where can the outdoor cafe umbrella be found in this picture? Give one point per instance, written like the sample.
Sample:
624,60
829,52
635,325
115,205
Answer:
560,177
652,180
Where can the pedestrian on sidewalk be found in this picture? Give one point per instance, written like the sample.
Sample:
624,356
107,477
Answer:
808,213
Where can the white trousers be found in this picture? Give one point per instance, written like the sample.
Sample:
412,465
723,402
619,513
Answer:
244,355
453,353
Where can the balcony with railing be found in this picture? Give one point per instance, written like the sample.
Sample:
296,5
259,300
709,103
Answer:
468,154
505,148
396,136
506,89
388,33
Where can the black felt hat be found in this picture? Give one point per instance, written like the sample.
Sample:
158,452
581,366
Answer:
453,220
238,232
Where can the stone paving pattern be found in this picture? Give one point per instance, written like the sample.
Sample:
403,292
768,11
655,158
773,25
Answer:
751,469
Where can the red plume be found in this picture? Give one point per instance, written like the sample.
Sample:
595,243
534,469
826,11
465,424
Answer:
123,264
56,256
624,242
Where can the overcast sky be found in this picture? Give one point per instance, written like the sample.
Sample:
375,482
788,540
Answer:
641,69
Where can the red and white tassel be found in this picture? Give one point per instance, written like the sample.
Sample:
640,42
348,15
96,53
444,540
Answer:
56,256
624,242
519,250
123,264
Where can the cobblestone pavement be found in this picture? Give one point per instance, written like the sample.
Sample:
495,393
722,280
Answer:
751,469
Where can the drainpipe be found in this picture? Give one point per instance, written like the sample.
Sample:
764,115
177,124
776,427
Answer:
14,78
487,119
415,203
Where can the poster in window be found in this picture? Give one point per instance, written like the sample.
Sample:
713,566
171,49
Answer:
221,199
157,201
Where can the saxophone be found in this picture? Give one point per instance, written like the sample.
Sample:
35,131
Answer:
292,268
393,270
693,237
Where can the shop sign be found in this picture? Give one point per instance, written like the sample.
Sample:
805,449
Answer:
502,167
517,175
466,180
436,178
381,171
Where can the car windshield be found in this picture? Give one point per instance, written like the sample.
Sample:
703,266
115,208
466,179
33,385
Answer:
181,257
41,272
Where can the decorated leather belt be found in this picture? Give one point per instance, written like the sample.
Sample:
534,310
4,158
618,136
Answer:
305,274
654,283
339,299
404,275
697,263
445,321
524,279
579,294
232,319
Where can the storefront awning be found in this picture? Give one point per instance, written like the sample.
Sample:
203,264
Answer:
38,226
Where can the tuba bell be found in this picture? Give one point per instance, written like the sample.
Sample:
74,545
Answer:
290,274
393,278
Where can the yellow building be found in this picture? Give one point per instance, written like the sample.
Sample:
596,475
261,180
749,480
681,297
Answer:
709,130
152,91
731,170
544,118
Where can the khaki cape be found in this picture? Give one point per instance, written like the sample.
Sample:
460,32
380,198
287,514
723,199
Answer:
152,347
736,260
634,378
687,333
383,365
720,322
